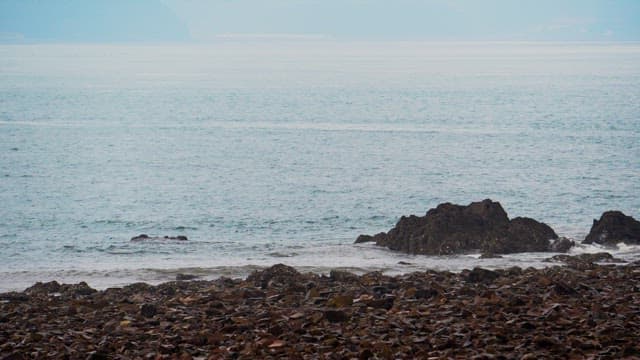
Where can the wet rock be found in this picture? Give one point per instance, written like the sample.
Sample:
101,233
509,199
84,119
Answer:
561,245
279,273
585,261
185,277
145,237
14,356
382,303
14,296
526,235
614,227
148,310
366,354
453,229
369,238
340,301
135,288
79,289
546,342
335,316
339,275
97,355
562,288
480,275
44,288
141,237
490,256
364,239
427,293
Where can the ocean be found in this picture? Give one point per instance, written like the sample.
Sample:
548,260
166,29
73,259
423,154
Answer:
282,151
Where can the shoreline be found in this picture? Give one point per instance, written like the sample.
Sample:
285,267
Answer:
356,258
575,311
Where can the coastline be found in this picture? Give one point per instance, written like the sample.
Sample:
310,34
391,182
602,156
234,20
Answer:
574,311
355,258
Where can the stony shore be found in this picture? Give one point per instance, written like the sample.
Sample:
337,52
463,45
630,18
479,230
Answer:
576,312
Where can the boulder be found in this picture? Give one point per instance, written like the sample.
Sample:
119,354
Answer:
145,237
277,274
452,229
561,245
614,227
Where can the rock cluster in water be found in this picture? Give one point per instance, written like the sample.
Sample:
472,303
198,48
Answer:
557,312
484,226
451,229
145,237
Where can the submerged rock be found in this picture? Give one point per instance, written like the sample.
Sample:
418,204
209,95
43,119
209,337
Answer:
454,229
612,228
145,237
488,255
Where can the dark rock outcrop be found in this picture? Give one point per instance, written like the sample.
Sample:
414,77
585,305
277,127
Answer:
612,228
452,229
145,237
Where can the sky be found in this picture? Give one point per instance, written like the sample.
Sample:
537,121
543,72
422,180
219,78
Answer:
207,20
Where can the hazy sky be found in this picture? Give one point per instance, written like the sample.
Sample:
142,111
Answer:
203,20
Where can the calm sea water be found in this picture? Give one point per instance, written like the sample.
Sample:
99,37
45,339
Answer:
285,152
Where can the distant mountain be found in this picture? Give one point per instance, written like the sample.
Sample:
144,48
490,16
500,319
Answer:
89,21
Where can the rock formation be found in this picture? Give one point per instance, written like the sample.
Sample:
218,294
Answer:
452,229
145,237
612,228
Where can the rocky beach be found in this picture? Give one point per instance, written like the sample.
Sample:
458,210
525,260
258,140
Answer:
427,195
579,306
578,310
